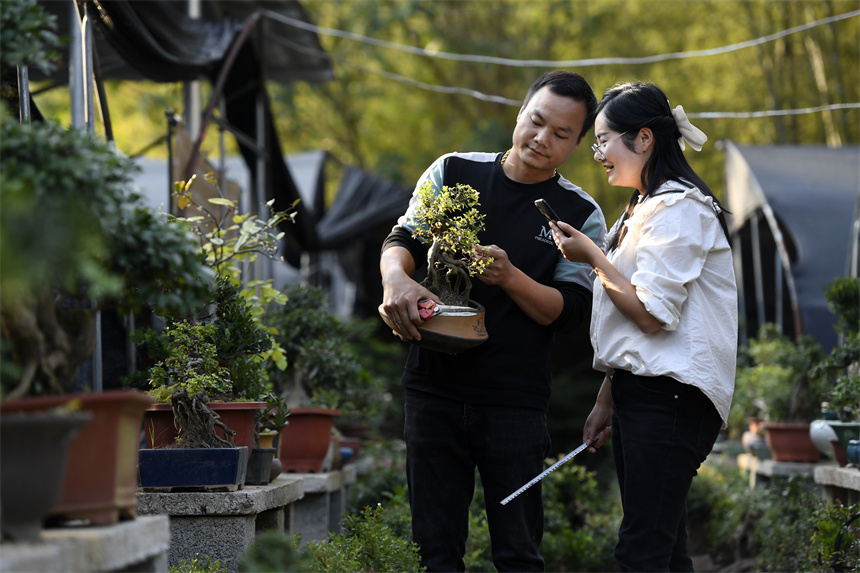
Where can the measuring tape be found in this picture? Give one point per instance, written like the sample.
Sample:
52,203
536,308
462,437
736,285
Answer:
548,471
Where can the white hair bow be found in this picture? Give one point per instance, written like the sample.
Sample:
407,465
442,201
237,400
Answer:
689,132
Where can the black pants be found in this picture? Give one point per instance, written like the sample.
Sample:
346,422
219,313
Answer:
662,430
445,442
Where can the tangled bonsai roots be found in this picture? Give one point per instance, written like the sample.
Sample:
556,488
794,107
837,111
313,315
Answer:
196,422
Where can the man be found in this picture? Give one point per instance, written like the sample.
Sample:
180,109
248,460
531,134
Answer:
486,407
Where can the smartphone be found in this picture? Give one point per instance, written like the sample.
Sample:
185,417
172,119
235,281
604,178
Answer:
548,212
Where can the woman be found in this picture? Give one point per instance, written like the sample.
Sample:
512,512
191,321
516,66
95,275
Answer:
664,321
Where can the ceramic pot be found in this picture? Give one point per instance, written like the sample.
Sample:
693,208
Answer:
451,334
241,417
822,435
853,453
34,450
845,431
790,443
260,466
101,481
839,453
192,469
305,440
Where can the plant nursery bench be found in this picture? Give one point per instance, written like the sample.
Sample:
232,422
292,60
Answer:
319,512
762,472
841,483
223,524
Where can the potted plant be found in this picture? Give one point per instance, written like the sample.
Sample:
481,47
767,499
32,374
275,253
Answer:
324,377
775,375
840,370
242,344
451,222
77,240
192,376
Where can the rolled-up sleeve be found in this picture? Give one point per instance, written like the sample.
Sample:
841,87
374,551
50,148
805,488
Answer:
669,256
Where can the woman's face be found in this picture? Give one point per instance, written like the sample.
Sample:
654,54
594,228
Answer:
623,166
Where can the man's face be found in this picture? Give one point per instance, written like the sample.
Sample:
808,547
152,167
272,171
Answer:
547,131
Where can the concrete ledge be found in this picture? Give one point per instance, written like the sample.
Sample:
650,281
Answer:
250,499
326,482
222,524
839,483
761,472
319,512
138,545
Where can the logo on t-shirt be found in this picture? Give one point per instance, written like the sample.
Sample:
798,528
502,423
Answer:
545,235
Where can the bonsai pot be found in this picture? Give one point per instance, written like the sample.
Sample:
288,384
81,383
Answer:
852,453
790,443
839,453
451,332
845,431
34,449
164,470
260,466
305,440
101,480
160,431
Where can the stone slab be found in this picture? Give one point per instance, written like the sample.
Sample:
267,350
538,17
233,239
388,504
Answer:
842,483
137,545
251,499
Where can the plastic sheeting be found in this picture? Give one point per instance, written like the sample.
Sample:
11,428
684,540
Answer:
813,192
157,40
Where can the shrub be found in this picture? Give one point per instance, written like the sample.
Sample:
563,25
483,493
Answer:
367,544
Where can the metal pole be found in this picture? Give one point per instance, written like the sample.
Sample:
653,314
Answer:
76,73
192,89
24,94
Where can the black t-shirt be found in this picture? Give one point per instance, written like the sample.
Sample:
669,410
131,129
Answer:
512,367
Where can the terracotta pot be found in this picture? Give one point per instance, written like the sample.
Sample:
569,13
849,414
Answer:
305,440
34,453
839,453
790,443
101,479
241,417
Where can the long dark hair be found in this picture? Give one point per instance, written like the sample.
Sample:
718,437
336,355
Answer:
629,107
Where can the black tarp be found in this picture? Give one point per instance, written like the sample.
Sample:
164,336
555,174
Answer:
812,193
156,40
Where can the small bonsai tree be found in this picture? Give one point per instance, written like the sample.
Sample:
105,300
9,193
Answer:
452,221
241,344
841,368
323,368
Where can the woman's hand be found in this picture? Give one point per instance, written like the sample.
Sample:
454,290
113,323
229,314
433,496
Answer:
574,245
598,425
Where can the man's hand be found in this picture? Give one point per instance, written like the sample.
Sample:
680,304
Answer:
400,293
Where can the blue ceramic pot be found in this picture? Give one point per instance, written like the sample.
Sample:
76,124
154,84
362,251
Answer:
853,452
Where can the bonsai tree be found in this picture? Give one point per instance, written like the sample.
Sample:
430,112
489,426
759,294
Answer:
451,221
841,368
324,368
75,238
239,343
775,374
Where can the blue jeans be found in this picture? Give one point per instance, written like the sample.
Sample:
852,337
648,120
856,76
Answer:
445,441
662,430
